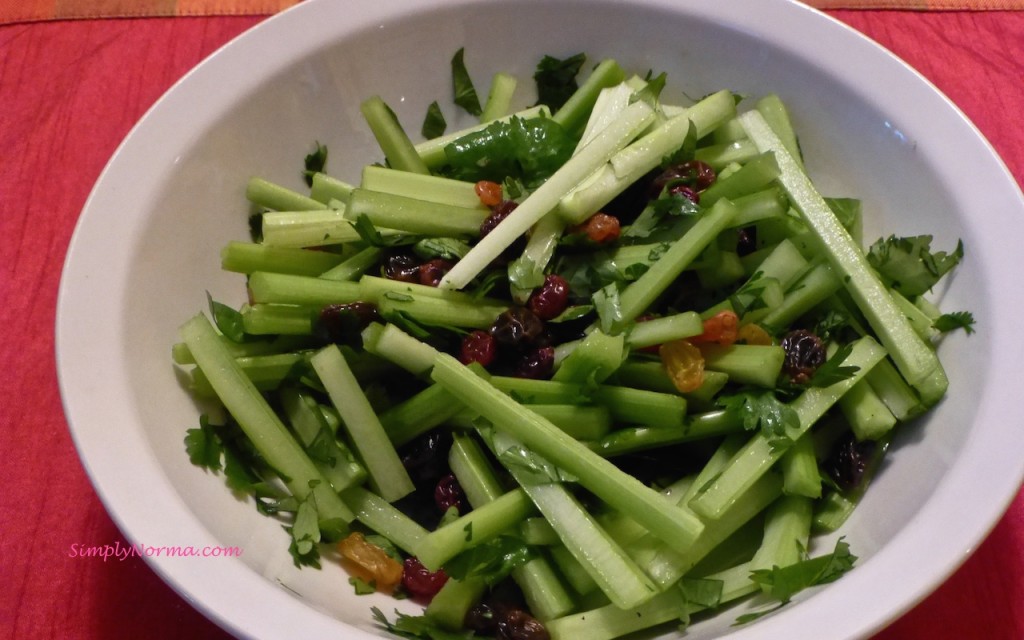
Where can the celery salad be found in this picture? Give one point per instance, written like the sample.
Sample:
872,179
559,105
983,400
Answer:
608,363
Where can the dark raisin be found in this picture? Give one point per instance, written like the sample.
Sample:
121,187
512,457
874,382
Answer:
805,352
849,460
421,584
551,298
431,272
746,241
478,346
537,364
401,266
426,457
342,323
518,328
516,624
498,213
694,173
482,619
448,493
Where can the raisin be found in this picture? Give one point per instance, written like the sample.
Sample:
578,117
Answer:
482,619
401,266
488,192
536,364
849,461
426,457
370,563
684,364
431,272
694,173
498,213
722,328
599,228
746,241
448,493
343,323
518,328
805,352
478,346
516,624
551,299
421,584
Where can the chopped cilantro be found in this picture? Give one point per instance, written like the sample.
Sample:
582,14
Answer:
362,587
909,266
434,123
526,150
955,320
464,91
491,561
833,370
762,410
228,321
203,445
417,627
556,79
314,163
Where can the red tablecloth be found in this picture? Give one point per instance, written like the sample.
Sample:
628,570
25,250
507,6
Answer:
70,91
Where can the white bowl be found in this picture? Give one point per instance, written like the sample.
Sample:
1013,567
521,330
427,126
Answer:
146,251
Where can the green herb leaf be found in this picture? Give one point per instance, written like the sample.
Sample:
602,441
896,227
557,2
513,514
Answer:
651,91
491,561
371,236
464,91
417,627
750,296
784,582
203,445
434,124
556,79
315,163
762,410
362,587
909,266
833,370
955,320
444,248
229,321
527,150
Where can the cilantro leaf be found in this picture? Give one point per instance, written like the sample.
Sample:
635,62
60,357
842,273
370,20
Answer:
464,91
417,627
228,321
444,248
699,593
362,587
833,370
314,163
909,266
652,90
750,296
434,123
955,320
556,79
762,410
369,234
527,150
491,561
783,583
203,445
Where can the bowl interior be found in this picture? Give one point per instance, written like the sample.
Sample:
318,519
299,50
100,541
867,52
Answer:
147,252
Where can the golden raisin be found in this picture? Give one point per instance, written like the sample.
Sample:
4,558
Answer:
599,228
488,192
721,328
684,364
370,563
754,334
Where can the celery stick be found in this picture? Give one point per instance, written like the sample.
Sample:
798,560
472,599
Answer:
720,155
387,474
398,149
269,195
610,103
354,266
526,272
278,319
259,421
546,197
603,559
776,115
868,416
439,311
538,532
759,455
382,517
582,423
639,295
602,478
278,345
633,162
787,532
901,400
574,112
726,269
375,287
334,460
450,605
432,151
393,344
574,572
753,176
280,288
266,372
633,439
414,216
915,359
419,414
800,466
665,329
311,229
455,193
596,358
246,257
754,364
327,188
815,287
469,463
758,206
481,524
499,98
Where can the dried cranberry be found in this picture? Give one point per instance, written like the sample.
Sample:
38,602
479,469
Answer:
421,584
498,213
805,352
431,272
518,327
694,173
849,461
478,346
401,266
448,493
516,624
551,299
685,191
536,364
342,323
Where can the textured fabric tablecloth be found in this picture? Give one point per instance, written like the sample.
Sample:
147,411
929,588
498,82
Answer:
70,91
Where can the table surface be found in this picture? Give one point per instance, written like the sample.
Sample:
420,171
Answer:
71,90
